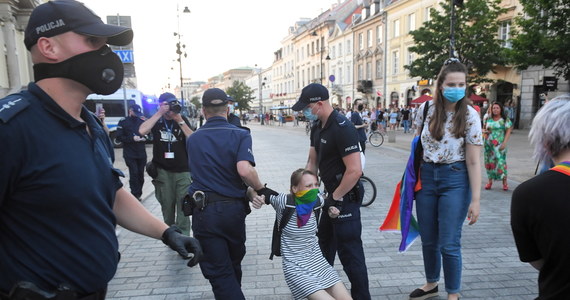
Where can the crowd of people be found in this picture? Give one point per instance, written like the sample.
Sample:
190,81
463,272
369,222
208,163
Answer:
61,199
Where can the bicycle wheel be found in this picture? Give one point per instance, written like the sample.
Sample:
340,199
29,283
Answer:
376,139
369,191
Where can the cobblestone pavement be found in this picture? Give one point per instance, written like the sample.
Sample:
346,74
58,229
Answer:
491,268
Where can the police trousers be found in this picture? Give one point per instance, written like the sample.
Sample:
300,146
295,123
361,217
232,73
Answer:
220,228
342,234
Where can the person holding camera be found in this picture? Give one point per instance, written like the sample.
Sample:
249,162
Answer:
169,156
60,196
134,151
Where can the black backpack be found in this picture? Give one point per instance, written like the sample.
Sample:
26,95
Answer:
278,226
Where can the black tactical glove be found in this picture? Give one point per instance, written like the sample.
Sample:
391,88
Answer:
184,245
329,201
267,192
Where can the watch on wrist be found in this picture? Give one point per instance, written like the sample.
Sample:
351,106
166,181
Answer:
181,123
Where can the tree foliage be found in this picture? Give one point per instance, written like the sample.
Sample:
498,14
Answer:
242,95
543,36
476,43
196,101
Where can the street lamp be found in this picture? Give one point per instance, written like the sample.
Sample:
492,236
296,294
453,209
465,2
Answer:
322,49
260,85
179,49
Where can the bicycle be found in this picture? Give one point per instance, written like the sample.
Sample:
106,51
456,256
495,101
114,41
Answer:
375,138
369,191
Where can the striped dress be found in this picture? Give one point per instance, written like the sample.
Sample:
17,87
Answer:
306,270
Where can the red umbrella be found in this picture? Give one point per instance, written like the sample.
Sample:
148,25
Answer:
476,98
421,99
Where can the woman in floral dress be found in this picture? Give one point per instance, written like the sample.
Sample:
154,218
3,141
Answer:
497,132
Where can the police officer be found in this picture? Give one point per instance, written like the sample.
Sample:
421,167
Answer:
169,131
134,151
221,159
359,124
60,197
232,118
334,152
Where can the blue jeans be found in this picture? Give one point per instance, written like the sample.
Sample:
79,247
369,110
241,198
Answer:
442,206
406,126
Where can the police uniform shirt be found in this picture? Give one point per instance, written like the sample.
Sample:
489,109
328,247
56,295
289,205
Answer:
234,120
213,152
57,190
167,136
336,140
126,130
356,119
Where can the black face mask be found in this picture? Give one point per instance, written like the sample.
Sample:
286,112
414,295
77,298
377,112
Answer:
360,107
100,70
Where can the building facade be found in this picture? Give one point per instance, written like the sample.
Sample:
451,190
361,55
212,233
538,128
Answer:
15,62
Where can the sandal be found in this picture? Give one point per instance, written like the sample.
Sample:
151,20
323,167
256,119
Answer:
488,186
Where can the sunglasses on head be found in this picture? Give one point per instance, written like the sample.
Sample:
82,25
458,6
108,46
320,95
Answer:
452,60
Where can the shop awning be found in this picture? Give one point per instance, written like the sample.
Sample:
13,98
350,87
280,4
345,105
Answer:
421,99
476,98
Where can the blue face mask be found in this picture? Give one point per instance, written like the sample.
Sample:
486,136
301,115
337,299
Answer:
307,111
453,94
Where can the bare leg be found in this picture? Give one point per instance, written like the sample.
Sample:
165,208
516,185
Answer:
339,292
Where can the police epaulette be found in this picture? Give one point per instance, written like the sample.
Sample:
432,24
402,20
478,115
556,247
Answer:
11,106
342,120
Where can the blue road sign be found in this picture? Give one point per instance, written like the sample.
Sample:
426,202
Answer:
126,56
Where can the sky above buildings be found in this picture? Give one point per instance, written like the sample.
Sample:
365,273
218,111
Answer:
218,34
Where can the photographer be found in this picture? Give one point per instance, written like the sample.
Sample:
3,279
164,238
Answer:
170,130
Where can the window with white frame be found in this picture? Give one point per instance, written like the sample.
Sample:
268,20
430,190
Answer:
396,28
339,79
369,71
360,41
369,38
348,47
340,49
378,68
411,22
379,34
333,52
349,74
505,34
395,61
360,71
410,58
427,14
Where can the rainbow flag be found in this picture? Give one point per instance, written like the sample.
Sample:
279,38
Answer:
563,167
400,216
304,203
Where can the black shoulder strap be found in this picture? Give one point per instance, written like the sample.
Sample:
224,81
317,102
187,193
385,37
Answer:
287,212
426,108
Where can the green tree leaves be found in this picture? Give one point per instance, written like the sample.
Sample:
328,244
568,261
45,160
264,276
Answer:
476,43
242,94
543,36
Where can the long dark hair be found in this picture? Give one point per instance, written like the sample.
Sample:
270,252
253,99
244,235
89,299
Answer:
437,122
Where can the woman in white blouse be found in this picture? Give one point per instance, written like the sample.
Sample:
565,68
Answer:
451,178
